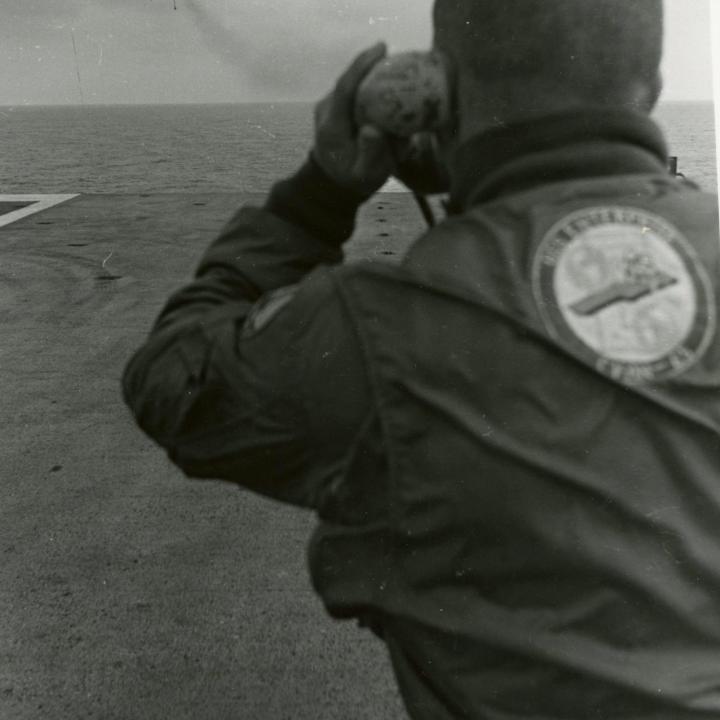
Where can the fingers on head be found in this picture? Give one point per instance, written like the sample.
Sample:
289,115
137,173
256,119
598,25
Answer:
370,136
373,148
359,68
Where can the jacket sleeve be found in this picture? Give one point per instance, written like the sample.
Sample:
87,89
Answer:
225,380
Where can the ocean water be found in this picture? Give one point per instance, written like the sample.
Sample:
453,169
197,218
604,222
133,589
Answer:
218,148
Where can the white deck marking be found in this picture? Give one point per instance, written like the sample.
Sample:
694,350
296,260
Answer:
38,203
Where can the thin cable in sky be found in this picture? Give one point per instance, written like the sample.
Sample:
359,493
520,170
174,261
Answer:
220,37
77,66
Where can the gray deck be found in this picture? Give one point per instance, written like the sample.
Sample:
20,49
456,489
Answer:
127,591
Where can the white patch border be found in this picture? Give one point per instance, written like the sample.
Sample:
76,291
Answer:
38,203
541,301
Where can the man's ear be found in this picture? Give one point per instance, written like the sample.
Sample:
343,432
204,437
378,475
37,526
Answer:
643,95
655,90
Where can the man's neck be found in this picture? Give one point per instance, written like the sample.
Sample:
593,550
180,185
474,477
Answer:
478,115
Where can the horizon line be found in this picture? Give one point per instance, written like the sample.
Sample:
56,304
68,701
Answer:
245,102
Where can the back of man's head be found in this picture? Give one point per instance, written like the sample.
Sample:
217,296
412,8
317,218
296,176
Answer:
526,54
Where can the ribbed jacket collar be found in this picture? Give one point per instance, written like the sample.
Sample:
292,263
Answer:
582,144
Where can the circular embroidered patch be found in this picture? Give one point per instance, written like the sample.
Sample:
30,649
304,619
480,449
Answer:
624,290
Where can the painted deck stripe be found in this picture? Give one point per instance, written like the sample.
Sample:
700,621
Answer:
39,203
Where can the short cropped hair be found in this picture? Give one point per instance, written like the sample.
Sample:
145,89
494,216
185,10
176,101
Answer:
594,51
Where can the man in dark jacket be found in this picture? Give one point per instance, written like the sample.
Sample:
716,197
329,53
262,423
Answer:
512,439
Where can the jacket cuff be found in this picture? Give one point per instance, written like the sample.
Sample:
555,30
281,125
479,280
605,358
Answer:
313,201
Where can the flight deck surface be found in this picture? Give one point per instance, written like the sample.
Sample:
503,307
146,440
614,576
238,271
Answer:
127,591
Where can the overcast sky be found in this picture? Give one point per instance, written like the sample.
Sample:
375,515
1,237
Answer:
145,51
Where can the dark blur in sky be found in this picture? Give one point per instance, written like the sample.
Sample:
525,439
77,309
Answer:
146,51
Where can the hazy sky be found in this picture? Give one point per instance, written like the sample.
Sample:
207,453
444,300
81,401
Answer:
127,51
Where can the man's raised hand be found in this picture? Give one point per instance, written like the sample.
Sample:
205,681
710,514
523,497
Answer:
357,159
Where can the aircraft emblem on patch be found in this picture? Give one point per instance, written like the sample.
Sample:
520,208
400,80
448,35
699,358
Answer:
624,290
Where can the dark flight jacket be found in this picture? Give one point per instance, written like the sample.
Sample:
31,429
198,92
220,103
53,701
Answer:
512,439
